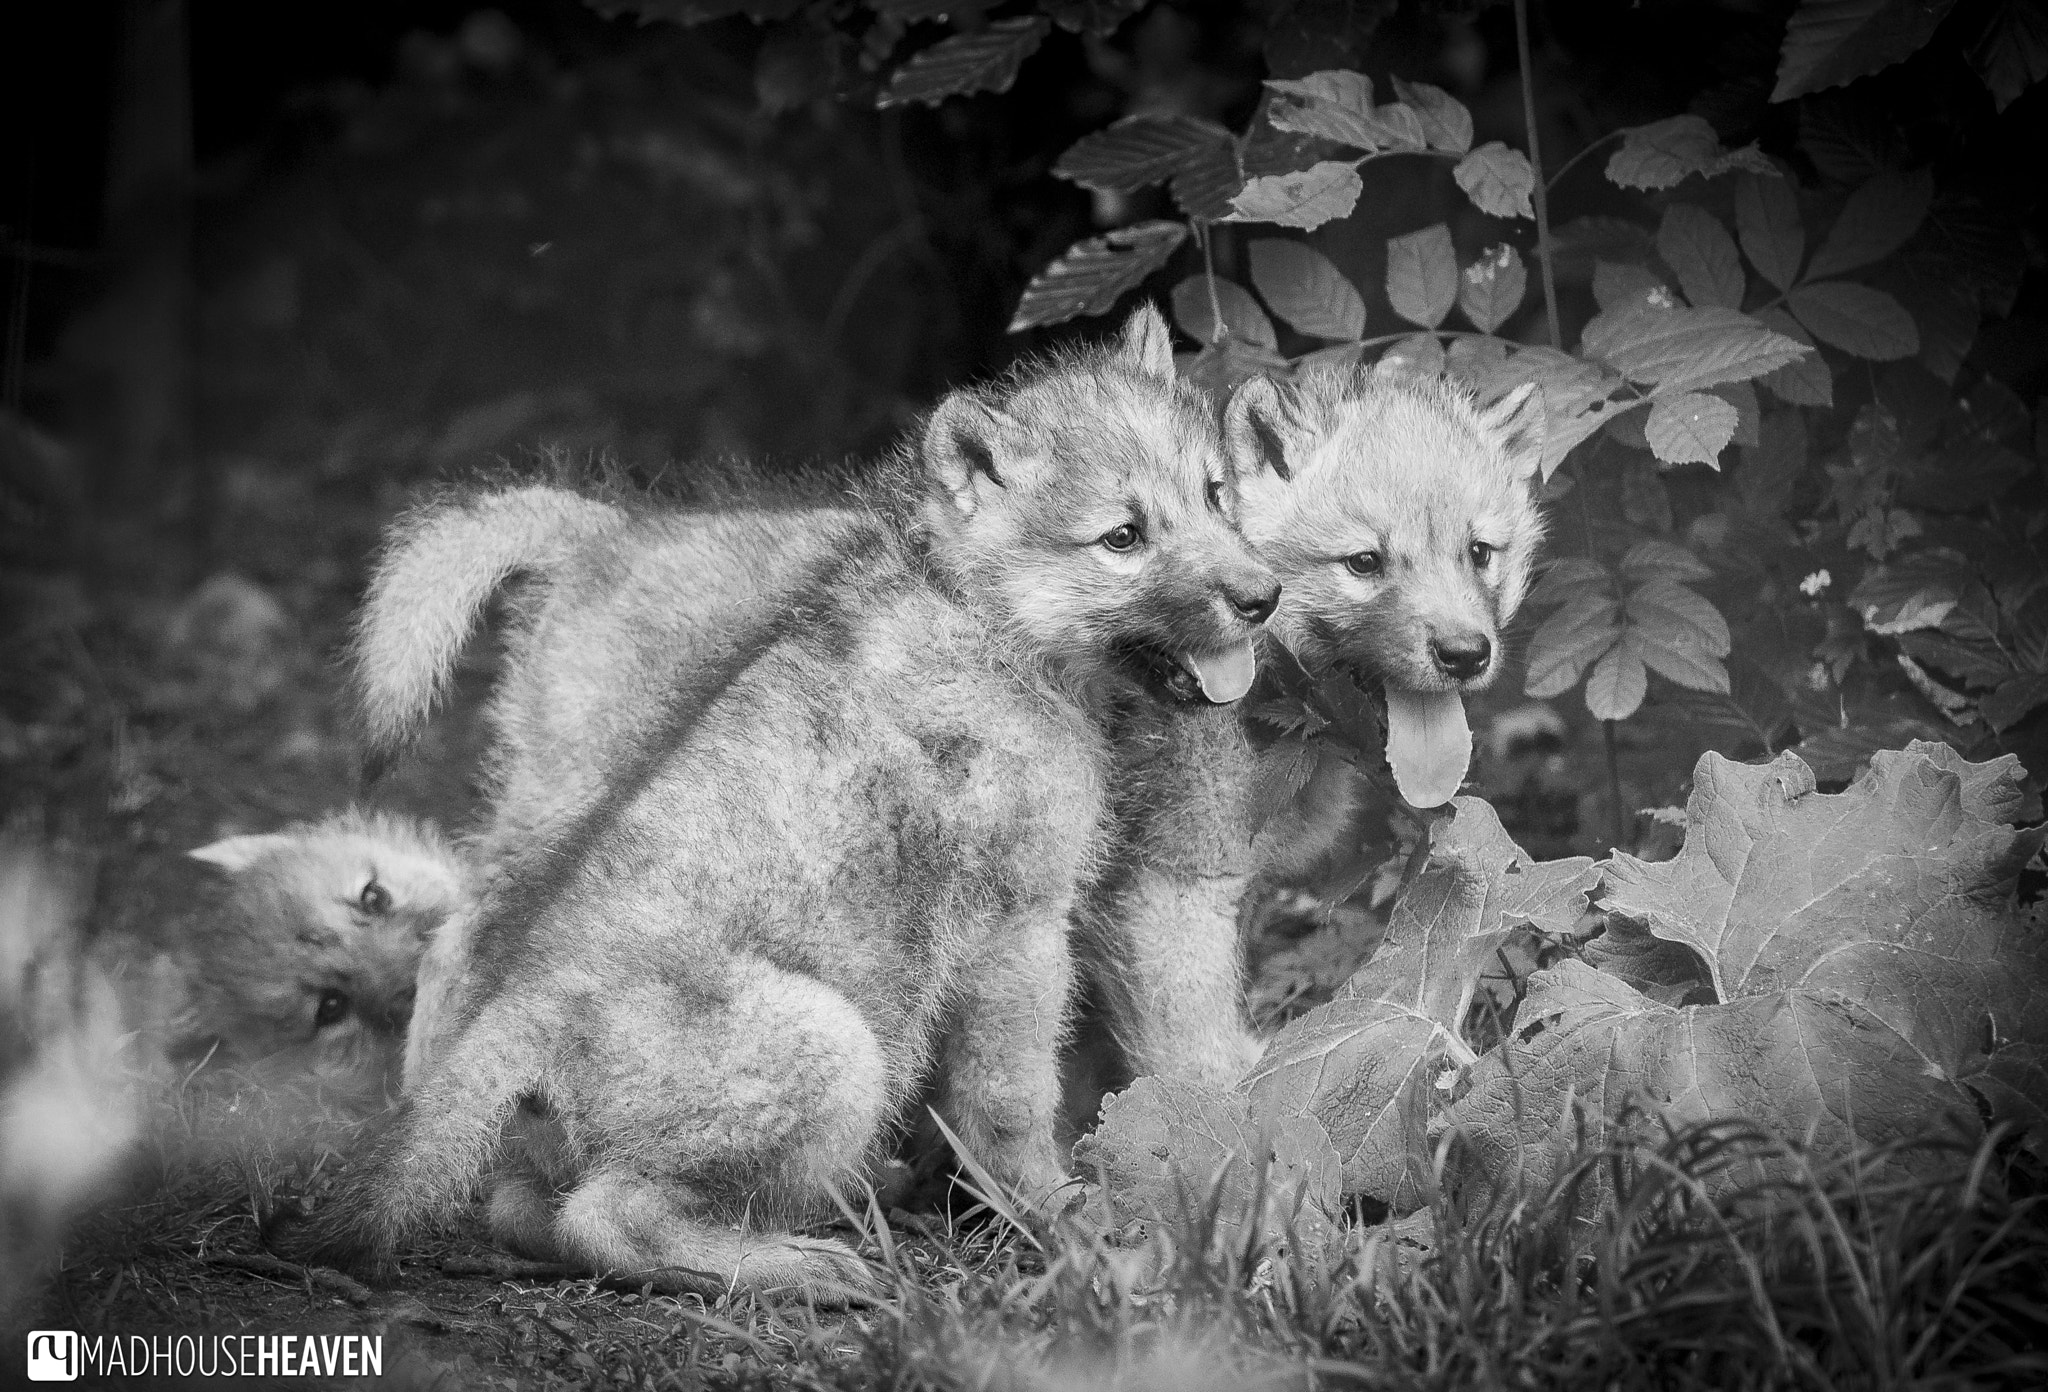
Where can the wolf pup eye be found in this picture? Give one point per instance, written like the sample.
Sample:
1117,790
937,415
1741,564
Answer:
375,899
1122,537
333,1008
1482,554
1364,563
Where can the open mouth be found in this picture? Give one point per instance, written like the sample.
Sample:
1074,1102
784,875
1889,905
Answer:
1216,677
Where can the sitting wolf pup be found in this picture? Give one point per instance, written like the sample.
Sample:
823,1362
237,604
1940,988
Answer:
844,855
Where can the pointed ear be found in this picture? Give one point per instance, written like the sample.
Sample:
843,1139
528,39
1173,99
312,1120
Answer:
1517,423
1146,344
966,444
1257,427
235,854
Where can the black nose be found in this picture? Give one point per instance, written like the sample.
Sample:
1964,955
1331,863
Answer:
1255,602
1463,656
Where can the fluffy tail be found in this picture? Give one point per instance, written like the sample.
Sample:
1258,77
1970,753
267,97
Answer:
422,1165
442,562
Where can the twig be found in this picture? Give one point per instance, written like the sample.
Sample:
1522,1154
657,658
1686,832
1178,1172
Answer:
510,1269
350,1289
1536,160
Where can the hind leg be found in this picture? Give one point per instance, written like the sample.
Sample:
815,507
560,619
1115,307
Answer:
1000,1086
700,1125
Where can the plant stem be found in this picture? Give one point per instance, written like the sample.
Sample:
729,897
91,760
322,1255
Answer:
1536,161
1614,783
1573,163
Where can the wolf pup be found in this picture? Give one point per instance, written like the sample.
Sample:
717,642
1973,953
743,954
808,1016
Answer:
843,856
1401,518
301,957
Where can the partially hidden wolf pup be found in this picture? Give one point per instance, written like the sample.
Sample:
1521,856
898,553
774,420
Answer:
844,852
1401,518
300,956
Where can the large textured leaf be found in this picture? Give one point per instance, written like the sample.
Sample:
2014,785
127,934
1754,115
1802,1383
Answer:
1498,180
1212,309
1446,124
1306,198
1830,42
1896,894
1306,290
1683,350
1167,1149
1094,274
1492,288
1702,255
1569,641
1667,152
1422,275
1804,1063
1364,1064
1142,150
2013,53
1618,682
984,61
1690,428
1338,106
1875,222
1856,318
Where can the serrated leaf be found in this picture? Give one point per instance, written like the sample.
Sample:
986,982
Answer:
1690,428
1142,150
1805,381
1855,318
1361,1063
1702,255
1686,665
1767,221
1616,685
1498,180
1830,42
1337,105
1283,771
984,61
1677,617
1093,274
1681,350
1657,559
2015,700
1446,124
1665,153
1422,275
2012,55
1492,288
1582,631
1306,289
1875,222
1306,198
1896,894
1568,577
1913,592
1170,1150
1199,299
1804,1064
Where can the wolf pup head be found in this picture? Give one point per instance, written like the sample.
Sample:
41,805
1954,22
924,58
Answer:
307,961
1402,521
1090,503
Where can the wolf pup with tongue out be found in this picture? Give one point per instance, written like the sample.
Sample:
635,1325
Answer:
813,843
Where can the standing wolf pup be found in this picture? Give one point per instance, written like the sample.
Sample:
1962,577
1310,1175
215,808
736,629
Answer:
847,852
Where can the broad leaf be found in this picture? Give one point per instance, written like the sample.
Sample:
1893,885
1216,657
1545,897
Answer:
1200,299
984,61
1616,685
1702,255
1167,1149
2013,53
1142,150
1830,42
1682,350
1446,124
1875,222
1498,180
1767,221
1422,275
1306,198
1664,153
1492,288
1306,290
1568,641
1658,559
1626,284
1364,1063
1094,274
1338,106
1856,319
1896,894
1801,1063
1805,381
1690,428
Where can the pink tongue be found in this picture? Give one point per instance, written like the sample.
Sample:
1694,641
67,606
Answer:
1428,743
1224,675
